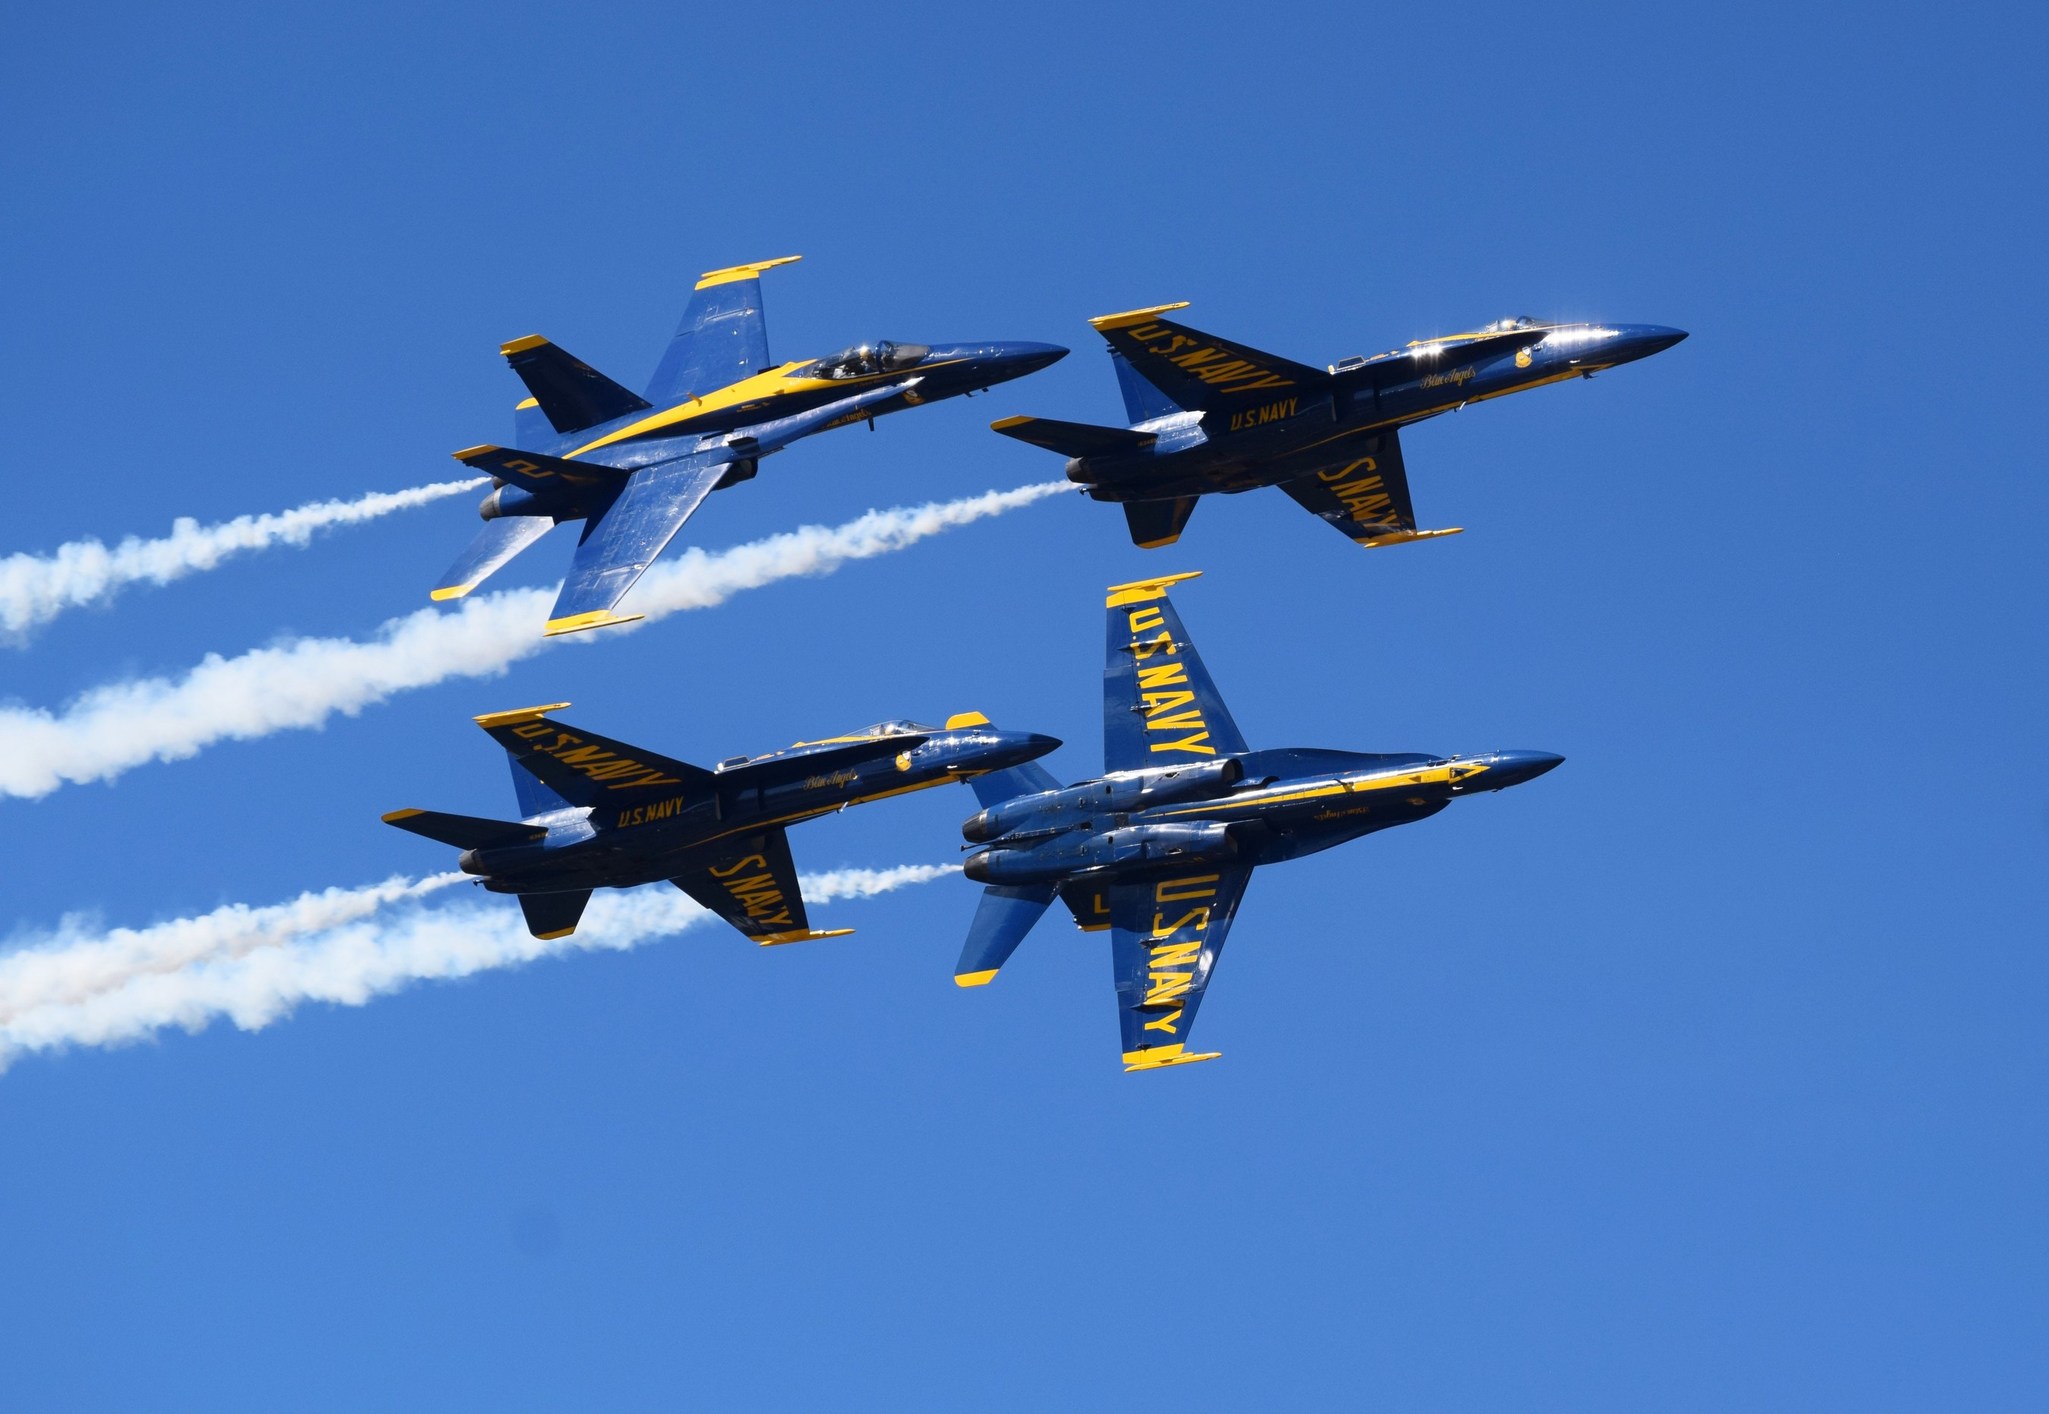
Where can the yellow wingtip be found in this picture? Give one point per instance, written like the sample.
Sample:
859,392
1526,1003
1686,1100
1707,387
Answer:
453,592
597,618
558,933
802,935
531,341
1156,544
1134,316
393,817
1140,590
518,715
1403,537
1160,1057
477,451
974,979
524,403
1002,422
749,271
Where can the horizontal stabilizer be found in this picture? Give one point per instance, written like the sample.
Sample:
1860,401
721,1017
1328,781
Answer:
495,546
571,393
464,831
537,471
1073,439
551,916
623,782
1157,523
1002,919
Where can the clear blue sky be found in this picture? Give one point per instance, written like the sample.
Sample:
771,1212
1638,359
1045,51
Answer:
1705,1073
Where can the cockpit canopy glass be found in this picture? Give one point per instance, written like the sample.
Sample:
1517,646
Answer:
1507,326
866,360
903,726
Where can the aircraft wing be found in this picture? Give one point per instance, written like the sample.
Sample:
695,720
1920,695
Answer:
1365,497
1166,935
1160,707
752,884
722,339
623,538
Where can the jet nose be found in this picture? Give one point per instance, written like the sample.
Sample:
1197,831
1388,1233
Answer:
1031,746
1513,768
1643,340
1017,360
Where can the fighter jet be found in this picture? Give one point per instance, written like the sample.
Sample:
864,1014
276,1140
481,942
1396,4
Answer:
633,467
597,813
1209,414
1159,848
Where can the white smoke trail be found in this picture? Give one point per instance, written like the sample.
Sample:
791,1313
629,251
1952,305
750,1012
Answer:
302,682
35,589
61,991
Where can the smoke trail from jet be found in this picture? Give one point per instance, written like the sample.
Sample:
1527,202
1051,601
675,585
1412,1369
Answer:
302,682
346,947
35,589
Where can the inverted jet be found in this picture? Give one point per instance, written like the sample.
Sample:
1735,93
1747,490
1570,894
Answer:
1159,848
1213,415
634,466
597,813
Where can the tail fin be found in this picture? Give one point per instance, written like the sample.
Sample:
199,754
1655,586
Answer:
1157,523
464,831
1002,919
551,916
1011,782
572,393
1195,370
535,799
583,768
1142,401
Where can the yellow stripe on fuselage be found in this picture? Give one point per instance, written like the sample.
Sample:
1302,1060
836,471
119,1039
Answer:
772,384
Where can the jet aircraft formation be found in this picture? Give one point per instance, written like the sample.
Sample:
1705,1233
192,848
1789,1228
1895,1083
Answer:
1157,850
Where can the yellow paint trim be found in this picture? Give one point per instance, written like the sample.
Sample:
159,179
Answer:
596,618
1133,316
1093,927
1140,590
768,385
518,714
1403,537
1002,422
1159,1057
742,272
974,979
442,595
1156,544
531,341
524,403
398,815
467,452
558,933
966,719
776,940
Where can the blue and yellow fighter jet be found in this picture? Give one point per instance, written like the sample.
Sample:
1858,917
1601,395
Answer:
634,467
596,813
1209,414
1159,848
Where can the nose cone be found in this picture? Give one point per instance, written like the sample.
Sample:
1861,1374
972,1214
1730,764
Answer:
1643,340
1016,748
1513,768
1008,361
